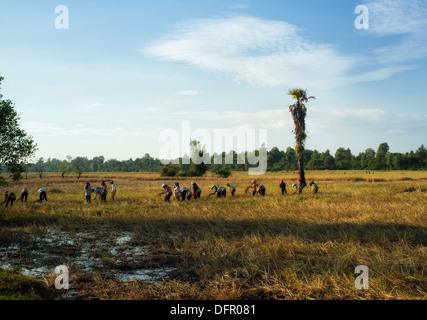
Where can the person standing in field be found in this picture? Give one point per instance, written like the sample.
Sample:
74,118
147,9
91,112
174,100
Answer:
231,188
196,190
24,195
88,192
113,190
167,191
9,198
43,195
315,187
283,187
104,191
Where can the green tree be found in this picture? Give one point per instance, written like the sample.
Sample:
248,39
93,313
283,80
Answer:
299,112
39,166
197,166
80,165
16,147
343,159
380,158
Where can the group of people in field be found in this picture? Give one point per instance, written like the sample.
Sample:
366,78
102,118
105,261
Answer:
179,193
184,193
101,191
10,197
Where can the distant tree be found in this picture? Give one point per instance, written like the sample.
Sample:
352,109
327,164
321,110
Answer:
15,146
197,166
299,112
343,159
380,158
39,166
80,165
369,158
64,168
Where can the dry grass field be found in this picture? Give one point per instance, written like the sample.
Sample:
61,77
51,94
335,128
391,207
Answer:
234,248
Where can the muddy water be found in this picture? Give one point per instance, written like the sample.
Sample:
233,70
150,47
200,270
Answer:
110,253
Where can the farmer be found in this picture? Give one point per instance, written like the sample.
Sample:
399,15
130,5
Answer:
167,191
188,193
261,189
231,188
220,191
283,187
177,191
43,195
315,187
196,190
113,189
296,186
24,195
88,192
104,191
9,197
254,187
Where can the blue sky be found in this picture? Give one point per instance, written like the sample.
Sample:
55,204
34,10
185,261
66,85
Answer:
125,71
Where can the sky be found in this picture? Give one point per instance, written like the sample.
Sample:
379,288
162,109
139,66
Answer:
128,78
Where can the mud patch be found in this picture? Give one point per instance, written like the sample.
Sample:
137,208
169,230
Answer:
112,254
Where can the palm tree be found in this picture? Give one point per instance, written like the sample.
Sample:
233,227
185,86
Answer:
299,112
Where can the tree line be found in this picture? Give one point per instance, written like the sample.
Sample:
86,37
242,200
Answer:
277,160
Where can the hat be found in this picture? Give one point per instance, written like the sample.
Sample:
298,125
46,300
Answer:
163,185
294,185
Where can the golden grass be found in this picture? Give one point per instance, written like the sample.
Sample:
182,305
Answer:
244,247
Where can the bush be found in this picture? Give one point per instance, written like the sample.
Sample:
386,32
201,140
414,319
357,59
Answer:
169,171
225,173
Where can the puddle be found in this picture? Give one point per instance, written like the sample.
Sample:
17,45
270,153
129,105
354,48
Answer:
112,253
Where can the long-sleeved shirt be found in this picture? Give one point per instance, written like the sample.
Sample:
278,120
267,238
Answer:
88,191
231,187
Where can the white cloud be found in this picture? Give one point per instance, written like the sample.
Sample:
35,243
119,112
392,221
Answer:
404,18
255,51
274,53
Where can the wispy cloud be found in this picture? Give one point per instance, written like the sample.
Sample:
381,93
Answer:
272,53
255,51
404,18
